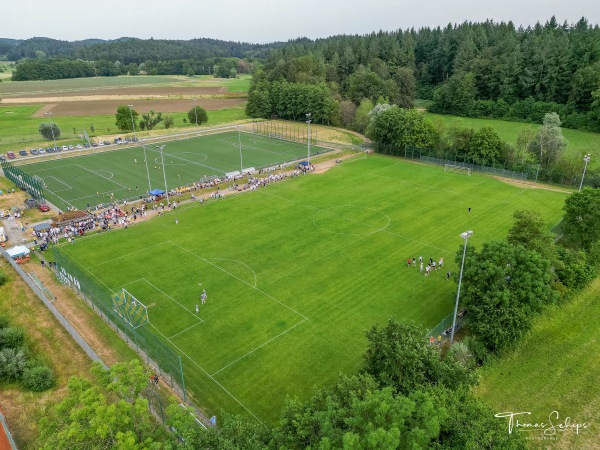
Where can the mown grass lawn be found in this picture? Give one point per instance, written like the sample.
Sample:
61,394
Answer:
555,368
297,271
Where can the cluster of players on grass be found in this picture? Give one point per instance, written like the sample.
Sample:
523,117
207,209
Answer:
430,267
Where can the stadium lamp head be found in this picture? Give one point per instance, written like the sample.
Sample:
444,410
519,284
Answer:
466,234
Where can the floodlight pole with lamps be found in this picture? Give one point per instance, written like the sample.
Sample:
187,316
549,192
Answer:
164,174
241,161
308,116
49,115
466,235
143,146
586,160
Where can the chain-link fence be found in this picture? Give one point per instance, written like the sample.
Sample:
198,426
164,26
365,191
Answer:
143,340
442,331
32,184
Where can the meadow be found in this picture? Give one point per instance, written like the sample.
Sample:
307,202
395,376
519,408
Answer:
553,369
297,271
100,177
579,142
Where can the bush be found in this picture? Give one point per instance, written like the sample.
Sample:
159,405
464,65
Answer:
478,349
3,278
12,364
12,337
38,378
3,322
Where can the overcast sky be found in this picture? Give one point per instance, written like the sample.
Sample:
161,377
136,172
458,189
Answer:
261,21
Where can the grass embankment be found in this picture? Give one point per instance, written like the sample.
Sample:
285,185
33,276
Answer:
555,368
47,338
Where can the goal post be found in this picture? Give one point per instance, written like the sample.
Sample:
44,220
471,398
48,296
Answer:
130,309
457,169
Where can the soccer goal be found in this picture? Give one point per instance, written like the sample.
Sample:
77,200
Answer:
130,309
457,169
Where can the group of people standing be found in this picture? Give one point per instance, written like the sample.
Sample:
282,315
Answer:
430,267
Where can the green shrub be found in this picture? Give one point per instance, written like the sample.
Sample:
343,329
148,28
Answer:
3,278
39,378
478,350
12,364
12,337
3,322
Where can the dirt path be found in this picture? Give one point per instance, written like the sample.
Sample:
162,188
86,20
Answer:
531,184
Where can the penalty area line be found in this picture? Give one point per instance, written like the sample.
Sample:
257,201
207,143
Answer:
208,375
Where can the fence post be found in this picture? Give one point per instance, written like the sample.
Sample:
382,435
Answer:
182,380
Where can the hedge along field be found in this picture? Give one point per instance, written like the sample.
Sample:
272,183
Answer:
579,142
297,271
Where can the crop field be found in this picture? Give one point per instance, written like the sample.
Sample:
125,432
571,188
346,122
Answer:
297,271
91,179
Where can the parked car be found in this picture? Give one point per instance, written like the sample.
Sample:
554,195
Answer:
71,147
50,150
94,144
106,142
2,158
101,143
57,149
64,147
43,207
11,155
86,145
79,146
42,151
23,152
33,151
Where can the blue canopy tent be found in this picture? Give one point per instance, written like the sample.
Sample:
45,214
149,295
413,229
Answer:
156,192
303,163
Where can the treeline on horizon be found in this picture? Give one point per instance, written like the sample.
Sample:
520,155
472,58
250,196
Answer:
485,69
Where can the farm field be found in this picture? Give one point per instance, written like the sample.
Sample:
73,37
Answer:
297,271
91,179
552,370
579,142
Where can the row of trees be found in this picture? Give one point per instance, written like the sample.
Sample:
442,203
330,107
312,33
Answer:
392,129
508,283
409,394
127,117
61,68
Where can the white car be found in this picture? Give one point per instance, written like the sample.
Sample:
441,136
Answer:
71,147
100,143
64,147
79,146
41,151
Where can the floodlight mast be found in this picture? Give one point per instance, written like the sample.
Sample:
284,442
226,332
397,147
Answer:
143,146
586,160
465,235
308,118
241,161
164,174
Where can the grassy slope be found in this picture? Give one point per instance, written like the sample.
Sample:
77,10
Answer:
312,245
555,368
579,142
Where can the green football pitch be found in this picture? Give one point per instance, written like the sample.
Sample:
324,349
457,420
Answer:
297,271
90,179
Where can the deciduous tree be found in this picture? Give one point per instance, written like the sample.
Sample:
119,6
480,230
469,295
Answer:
197,115
582,216
124,119
49,131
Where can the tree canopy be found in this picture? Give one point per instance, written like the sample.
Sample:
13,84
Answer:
125,118
49,131
197,115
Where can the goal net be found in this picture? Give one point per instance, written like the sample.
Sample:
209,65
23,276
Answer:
130,309
457,169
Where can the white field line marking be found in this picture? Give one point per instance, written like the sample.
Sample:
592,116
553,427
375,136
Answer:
183,331
260,346
100,193
239,279
208,375
168,296
188,161
127,255
60,198
239,262
384,231
106,171
61,182
101,176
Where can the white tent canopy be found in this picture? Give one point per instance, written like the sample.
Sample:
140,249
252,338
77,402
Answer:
19,250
